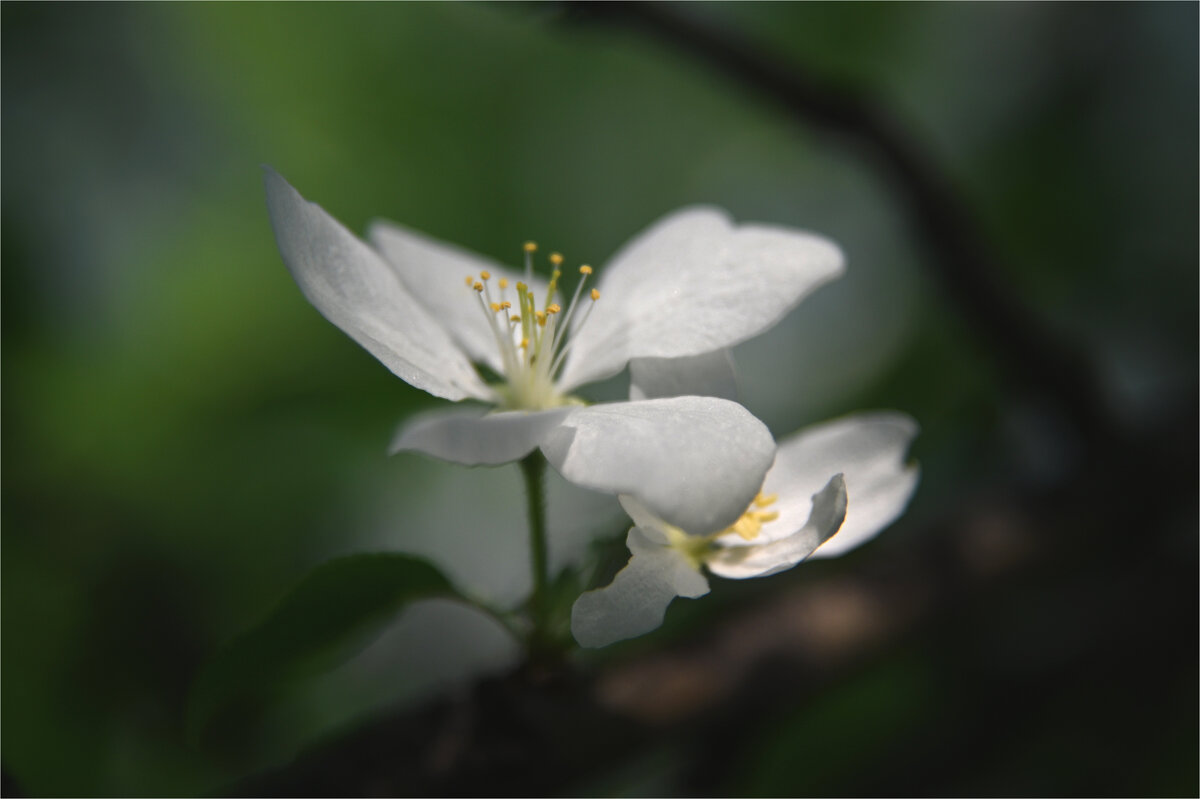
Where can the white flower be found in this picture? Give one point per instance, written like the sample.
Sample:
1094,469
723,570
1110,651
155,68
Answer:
800,512
687,288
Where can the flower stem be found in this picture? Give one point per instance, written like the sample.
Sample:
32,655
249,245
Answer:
533,468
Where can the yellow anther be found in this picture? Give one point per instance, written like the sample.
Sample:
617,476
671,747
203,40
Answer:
524,343
585,270
531,246
747,527
478,287
496,307
553,307
503,282
522,287
750,523
470,280
541,317
556,258
486,275
595,294
515,318
506,305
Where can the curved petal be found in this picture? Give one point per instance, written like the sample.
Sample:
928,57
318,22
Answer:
869,450
828,513
352,286
469,437
693,283
636,601
436,271
708,375
695,462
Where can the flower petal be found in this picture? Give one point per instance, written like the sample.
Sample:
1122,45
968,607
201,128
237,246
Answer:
352,286
695,462
693,283
869,450
469,437
436,271
636,601
708,375
828,513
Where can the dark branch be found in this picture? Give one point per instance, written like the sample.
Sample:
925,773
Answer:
1031,353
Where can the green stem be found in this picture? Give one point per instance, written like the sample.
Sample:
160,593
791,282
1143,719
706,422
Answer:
533,468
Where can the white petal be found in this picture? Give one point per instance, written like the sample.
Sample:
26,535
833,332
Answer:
352,286
828,513
436,272
708,375
696,462
869,450
469,437
636,601
694,283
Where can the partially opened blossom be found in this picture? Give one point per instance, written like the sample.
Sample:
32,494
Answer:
832,487
690,286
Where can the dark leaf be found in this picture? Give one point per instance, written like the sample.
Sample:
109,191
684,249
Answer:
335,612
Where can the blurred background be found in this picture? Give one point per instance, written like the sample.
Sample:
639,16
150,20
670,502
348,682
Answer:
185,437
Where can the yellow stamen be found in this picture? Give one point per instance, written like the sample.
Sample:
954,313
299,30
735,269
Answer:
750,523
530,367
596,295
747,527
552,289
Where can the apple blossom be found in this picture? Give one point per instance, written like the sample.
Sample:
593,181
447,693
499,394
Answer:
690,286
832,487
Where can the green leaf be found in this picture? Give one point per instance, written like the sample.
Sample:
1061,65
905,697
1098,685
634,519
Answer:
334,613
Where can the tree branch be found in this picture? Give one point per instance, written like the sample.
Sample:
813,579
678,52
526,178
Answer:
1030,352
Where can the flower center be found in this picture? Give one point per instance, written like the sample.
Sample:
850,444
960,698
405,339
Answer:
531,339
750,523
697,548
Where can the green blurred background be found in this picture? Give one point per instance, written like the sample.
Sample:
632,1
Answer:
184,437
